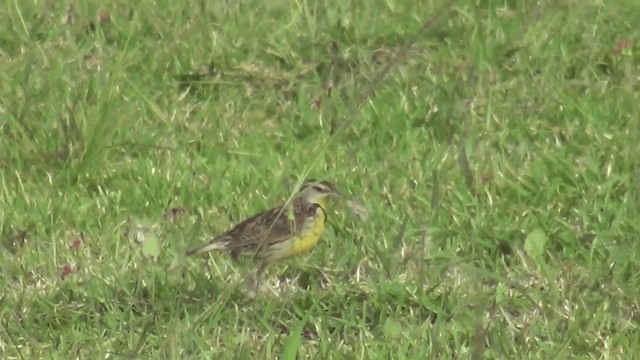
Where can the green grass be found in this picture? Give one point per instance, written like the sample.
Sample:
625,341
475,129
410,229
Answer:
498,160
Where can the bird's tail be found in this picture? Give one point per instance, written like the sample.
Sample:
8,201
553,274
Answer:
215,244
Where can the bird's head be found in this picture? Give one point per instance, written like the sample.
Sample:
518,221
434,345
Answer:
315,191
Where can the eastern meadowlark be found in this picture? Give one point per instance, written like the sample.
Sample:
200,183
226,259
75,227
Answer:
278,233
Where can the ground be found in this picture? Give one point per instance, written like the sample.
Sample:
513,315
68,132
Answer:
493,144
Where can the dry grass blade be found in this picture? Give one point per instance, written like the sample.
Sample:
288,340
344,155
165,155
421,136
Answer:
465,168
435,192
479,343
358,209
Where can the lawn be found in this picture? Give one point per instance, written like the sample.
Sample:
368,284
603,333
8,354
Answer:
495,146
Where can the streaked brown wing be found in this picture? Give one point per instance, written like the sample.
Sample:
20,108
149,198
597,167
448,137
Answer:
269,227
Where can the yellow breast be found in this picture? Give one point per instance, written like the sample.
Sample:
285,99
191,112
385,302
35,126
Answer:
309,237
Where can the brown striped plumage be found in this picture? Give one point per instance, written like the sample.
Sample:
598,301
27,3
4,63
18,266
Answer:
278,233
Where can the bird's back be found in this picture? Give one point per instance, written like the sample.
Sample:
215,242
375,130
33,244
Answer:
273,226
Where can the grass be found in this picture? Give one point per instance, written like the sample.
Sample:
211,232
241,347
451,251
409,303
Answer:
498,161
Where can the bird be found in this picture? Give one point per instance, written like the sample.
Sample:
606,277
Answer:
279,233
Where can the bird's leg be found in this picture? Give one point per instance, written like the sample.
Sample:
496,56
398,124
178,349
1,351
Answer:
259,272
255,286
